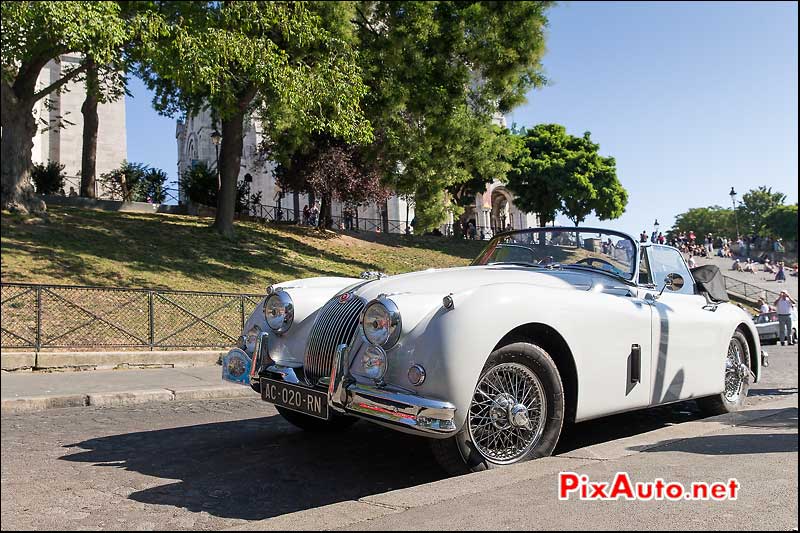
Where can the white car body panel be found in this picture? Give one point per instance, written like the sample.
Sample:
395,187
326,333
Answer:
683,340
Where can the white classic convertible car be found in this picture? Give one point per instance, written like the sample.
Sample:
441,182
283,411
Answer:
547,326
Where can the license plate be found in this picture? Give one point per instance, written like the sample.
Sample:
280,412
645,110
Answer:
296,398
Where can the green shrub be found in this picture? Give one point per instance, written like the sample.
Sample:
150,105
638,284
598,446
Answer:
200,184
49,178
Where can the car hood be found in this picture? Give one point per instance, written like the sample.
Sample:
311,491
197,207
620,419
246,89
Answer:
441,282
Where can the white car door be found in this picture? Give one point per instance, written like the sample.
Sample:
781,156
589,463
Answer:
689,344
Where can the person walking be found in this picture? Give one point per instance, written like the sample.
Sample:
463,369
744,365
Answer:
783,305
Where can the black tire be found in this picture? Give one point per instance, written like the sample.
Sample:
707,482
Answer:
305,422
720,404
459,455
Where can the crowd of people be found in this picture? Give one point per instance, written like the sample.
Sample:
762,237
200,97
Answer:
739,250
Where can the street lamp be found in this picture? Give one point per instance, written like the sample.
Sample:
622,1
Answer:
655,226
216,138
735,216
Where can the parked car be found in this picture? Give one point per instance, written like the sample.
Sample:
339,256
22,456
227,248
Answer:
767,326
489,361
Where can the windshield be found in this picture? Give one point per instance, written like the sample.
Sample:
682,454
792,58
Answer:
606,251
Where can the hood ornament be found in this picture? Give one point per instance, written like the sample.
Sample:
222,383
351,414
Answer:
369,274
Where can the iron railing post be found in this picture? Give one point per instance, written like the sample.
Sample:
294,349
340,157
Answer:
38,319
241,304
150,312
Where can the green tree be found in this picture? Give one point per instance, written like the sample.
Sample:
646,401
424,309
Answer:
439,74
718,221
781,220
563,173
264,57
32,34
755,205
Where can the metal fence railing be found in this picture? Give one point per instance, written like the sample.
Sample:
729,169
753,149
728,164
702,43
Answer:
60,316
748,290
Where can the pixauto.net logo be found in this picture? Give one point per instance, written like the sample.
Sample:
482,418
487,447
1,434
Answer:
572,485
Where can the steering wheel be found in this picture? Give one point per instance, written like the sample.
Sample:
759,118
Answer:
590,260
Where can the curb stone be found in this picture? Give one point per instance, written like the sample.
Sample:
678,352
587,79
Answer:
132,397
346,514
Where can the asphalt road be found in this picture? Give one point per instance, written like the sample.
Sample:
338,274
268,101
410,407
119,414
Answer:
216,464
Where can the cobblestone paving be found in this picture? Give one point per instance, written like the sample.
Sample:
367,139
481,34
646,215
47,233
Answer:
215,464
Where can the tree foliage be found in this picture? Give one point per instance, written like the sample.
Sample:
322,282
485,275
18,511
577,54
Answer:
438,74
559,172
718,221
336,170
267,57
782,221
32,34
753,209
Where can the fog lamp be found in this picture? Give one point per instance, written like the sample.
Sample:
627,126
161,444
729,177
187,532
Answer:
373,361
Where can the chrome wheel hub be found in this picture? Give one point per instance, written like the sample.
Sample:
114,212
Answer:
508,413
736,371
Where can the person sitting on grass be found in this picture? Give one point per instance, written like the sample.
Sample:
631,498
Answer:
780,275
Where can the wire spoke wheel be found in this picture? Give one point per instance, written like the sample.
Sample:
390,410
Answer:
734,374
508,413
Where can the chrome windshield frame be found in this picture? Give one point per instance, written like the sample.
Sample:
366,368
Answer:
570,229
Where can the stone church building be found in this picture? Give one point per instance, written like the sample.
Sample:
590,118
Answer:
493,210
65,144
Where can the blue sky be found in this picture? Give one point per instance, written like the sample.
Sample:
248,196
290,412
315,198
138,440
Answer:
690,98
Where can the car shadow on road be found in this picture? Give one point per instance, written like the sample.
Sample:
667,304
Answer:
740,442
260,468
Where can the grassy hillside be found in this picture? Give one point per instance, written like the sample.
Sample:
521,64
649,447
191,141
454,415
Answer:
87,247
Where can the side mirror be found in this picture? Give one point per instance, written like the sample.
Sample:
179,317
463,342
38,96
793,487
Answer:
674,282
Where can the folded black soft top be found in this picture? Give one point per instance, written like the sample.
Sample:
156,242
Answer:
711,282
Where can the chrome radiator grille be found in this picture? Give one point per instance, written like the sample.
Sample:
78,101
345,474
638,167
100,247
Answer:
335,324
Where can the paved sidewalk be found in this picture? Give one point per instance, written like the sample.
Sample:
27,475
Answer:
22,392
757,447
761,279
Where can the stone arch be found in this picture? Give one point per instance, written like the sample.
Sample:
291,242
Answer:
503,209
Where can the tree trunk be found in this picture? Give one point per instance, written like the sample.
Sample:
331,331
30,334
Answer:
325,219
296,205
229,164
16,189
385,216
90,125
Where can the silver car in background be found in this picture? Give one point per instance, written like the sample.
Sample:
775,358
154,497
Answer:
767,326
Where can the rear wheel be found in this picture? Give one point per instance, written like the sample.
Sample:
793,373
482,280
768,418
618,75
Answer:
305,422
737,379
516,413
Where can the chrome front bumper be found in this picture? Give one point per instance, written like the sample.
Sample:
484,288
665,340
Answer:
383,404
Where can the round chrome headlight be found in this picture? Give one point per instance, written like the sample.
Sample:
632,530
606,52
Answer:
373,362
381,323
279,311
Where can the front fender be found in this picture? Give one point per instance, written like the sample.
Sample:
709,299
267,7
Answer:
453,345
